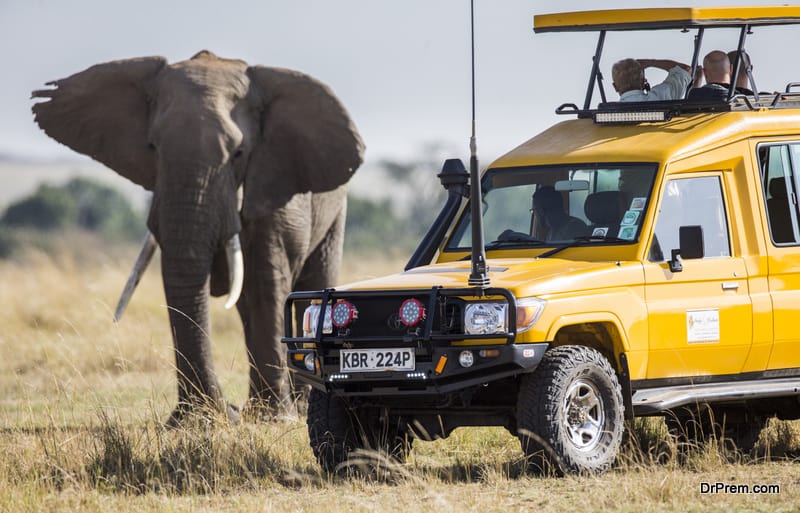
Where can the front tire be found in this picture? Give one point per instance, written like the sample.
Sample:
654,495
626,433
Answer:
387,436
570,413
336,429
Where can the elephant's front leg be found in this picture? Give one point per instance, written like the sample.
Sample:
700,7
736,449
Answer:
268,280
299,246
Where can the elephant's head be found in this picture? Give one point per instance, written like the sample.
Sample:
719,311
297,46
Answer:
196,133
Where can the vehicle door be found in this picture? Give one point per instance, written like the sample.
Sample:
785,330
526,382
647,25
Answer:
699,308
779,163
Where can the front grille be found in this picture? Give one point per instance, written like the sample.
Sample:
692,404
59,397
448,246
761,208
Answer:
379,317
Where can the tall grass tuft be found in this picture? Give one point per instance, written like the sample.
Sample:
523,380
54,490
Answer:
115,463
780,439
199,458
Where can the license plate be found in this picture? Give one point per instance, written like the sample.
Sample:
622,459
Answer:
375,360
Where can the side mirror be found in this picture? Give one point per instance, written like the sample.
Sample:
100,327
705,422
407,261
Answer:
691,247
676,262
691,241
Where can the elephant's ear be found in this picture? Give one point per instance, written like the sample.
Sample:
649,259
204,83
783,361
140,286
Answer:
308,141
103,112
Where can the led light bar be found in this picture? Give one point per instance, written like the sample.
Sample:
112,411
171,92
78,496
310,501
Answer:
630,117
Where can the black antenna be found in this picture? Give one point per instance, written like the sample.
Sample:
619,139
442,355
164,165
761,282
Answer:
479,277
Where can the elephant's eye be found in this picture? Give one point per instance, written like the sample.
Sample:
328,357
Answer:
237,153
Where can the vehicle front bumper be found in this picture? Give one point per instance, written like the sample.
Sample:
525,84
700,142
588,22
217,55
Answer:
437,371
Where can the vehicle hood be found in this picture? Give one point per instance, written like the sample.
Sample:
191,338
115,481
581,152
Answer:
523,277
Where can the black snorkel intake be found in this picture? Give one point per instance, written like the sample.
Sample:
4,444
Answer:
455,180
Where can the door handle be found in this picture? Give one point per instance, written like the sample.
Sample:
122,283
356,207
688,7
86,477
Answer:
730,285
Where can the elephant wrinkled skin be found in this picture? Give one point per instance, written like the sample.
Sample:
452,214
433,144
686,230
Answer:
194,133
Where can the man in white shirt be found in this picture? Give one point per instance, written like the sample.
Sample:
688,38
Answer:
629,81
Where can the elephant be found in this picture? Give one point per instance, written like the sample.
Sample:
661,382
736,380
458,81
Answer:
249,168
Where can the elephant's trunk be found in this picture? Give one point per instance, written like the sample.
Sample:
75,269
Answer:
189,234
187,299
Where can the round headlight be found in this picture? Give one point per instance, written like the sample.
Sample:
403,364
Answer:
485,318
466,358
310,362
343,313
411,312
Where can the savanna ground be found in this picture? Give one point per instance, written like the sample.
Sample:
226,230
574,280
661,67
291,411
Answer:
82,401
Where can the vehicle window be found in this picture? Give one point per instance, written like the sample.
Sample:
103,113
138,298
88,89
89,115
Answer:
691,202
500,211
778,162
558,204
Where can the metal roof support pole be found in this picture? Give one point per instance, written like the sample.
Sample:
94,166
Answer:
735,72
750,78
698,41
744,60
595,70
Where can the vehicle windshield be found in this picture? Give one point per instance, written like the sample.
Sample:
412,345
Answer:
560,206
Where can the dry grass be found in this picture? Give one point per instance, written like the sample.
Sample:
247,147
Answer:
82,400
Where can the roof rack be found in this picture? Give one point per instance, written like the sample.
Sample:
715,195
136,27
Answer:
660,111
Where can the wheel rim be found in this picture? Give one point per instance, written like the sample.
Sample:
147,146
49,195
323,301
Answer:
583,414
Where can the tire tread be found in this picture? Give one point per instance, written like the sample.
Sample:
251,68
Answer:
538,410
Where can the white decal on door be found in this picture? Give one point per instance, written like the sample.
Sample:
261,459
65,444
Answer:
702,325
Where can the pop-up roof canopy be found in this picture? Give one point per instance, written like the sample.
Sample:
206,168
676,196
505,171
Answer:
665,18
681,18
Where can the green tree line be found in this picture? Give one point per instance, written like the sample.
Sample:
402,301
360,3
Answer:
92,207
79,204
395,221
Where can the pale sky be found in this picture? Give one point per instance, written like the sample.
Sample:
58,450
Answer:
400,66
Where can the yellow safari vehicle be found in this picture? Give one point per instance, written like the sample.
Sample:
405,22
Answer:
641,259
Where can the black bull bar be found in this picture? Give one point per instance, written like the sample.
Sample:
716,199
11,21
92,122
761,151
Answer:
331,295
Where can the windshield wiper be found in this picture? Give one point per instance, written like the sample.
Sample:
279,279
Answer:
512,238
580,241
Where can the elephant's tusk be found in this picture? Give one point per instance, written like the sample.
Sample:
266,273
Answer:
233,250
145,255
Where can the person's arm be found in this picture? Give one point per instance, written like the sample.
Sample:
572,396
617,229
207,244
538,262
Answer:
665,64
673,87
699,77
